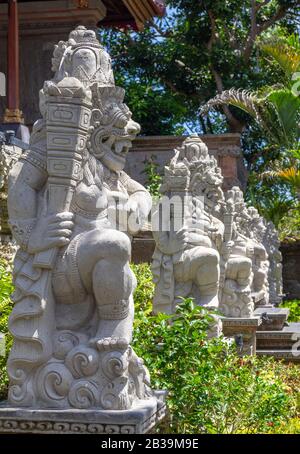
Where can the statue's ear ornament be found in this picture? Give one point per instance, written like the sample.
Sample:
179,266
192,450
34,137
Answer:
96,142
96,116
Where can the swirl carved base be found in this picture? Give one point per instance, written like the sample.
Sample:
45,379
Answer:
140,419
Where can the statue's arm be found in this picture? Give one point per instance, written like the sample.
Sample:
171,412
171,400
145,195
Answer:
34,233
24,182
137,195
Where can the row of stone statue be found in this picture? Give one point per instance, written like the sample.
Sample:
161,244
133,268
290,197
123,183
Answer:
225,255
73,315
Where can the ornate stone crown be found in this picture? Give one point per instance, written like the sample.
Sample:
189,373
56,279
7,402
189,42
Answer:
81,36
83,57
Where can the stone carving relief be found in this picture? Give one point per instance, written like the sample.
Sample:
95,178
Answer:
73,314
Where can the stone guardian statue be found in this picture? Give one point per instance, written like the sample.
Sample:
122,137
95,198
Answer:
73,314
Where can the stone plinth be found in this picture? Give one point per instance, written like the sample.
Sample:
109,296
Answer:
244,332
273,318
139,420
276,337
278,340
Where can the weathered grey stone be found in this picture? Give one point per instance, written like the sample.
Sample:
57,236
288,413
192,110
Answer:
186,261
138,420
272,243
244,331
219,260
237,277
273,318
73,318
280,340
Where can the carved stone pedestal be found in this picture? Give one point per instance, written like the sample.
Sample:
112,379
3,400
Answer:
139,420
244,332
273,318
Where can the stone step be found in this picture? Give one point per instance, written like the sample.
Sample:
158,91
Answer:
286,355
279,340
269,340
273,318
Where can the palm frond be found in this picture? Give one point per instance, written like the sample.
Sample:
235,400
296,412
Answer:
244,99
290,175
285,52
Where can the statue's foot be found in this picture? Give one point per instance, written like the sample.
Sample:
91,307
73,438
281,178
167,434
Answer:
109,344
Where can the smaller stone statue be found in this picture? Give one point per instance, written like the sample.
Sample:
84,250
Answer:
235,288
272,243
253,227
186,261
212,249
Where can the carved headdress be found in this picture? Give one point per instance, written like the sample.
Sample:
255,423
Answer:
83,57
193,161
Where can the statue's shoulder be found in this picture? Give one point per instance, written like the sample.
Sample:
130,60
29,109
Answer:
37,152
36,157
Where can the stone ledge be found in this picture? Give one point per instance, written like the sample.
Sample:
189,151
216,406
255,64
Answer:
139,420
243,322
275,318
243,328
275,335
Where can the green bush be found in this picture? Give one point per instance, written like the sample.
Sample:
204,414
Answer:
211,389
294,307
6,289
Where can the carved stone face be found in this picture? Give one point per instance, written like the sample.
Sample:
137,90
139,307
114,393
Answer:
114,130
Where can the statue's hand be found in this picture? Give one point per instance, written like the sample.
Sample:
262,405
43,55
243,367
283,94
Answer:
177,240
51,231
197,237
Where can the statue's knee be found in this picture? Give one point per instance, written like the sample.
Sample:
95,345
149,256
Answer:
213,258
247,266
109,244
121,247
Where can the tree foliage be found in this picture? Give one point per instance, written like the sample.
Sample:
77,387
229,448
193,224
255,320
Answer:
201,48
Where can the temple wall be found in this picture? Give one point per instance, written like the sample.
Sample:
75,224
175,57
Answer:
42,25
290,270
225,147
